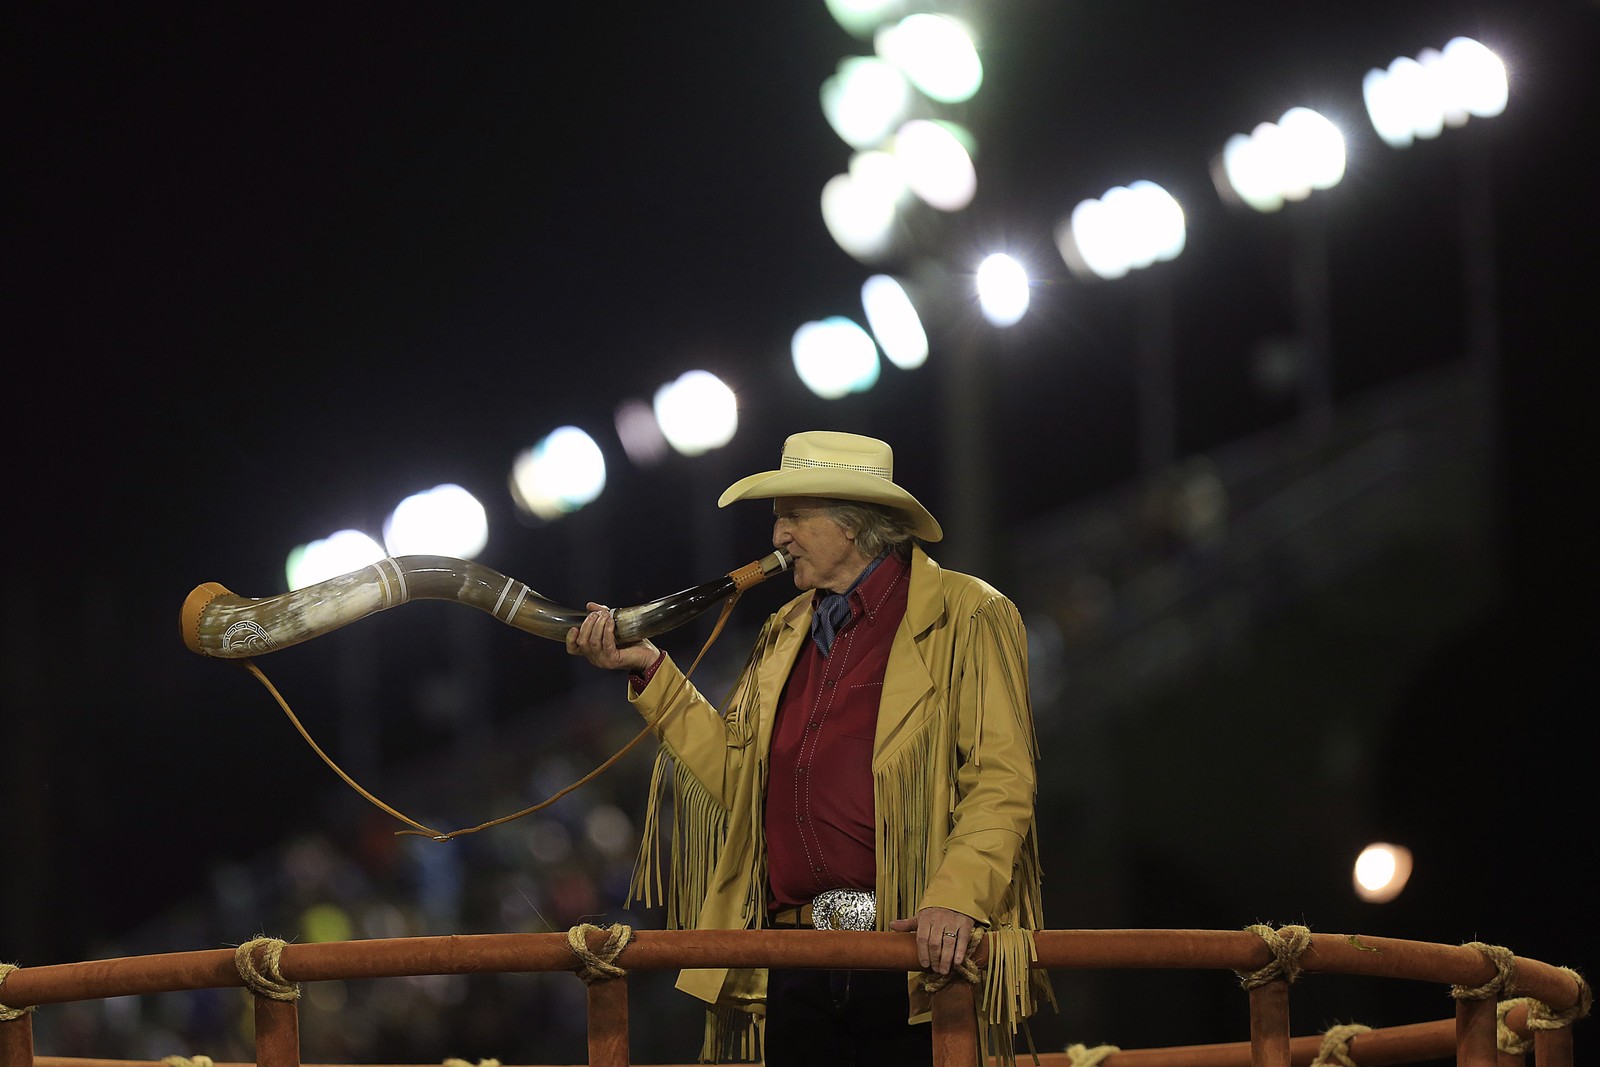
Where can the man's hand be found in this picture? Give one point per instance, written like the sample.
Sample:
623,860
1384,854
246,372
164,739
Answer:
942,937
595,639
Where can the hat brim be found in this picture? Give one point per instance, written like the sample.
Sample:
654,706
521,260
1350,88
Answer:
835,483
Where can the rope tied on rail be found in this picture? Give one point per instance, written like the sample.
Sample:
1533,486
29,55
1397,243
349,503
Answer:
1286,944
7,1014
187,1061
1504,982
932,982
1335,1047
266,980
1541,1016
597,966
454,1061
1083,1056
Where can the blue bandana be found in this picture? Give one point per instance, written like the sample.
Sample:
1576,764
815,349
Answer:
833,611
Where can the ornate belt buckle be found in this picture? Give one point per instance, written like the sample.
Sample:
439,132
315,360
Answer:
845,909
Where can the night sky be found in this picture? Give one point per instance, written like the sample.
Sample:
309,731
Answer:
273,267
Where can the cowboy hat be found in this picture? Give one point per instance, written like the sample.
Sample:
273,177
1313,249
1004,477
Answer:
837,466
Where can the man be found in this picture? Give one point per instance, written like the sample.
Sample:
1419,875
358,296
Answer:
874,768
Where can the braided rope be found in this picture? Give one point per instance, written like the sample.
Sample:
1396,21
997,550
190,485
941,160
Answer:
187,1061
1083,1056
7,1014
266,981
1540,1015
1335,1047
1506,1039
1286,944
454,1061
1504,982
597,966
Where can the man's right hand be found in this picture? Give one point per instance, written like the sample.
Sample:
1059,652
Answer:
595,639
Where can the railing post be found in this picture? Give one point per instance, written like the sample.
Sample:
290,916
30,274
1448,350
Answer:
1477,1030
608,1023
1269,1024
16,1041
955,1029
1553,1048
277,1032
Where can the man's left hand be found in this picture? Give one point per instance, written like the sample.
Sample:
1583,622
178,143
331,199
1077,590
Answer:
942,937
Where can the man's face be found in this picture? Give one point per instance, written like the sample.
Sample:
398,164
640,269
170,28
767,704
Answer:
825,553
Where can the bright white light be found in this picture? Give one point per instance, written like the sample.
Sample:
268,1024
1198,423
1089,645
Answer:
1418,98
894,322
336,554
860,17
865,100
697,412
444,521
859,208
834,357
559,475
1128,228
1002,290
1381,872
639,433
935,164
937,54
1285,160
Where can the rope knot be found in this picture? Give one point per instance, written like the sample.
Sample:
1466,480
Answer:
597,966
1335,1047
7,1014
1504,982
932,982
266,980
187,1061
1286,944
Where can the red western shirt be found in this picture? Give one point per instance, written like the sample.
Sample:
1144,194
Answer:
819,812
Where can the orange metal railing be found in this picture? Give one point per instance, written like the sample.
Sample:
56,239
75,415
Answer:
1478,981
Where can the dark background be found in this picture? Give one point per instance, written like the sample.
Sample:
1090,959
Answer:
272,268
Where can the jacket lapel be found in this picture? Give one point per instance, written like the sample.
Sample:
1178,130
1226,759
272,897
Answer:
907,684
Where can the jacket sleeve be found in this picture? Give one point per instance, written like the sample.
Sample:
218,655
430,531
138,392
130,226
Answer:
708,746
992,809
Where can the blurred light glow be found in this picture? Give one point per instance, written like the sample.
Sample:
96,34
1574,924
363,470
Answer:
1381,872
559,475
1285,160
834,357
444,521
860,208
936,166
894,322
639,433
696,413
865,100
936,52
1418,98
860,18
1002,290
1128,228
338,553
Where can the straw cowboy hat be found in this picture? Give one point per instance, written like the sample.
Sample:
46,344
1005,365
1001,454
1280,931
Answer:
838,466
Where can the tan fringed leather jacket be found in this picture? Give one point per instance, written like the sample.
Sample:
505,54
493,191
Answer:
953,781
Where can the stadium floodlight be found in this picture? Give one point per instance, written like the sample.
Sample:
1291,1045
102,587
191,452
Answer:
1128,228
834,357
696,413
559,475
865,100
1418,98
1286,160
894,322
338,553
935,163
937,54
1002,290
860,208
443,521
